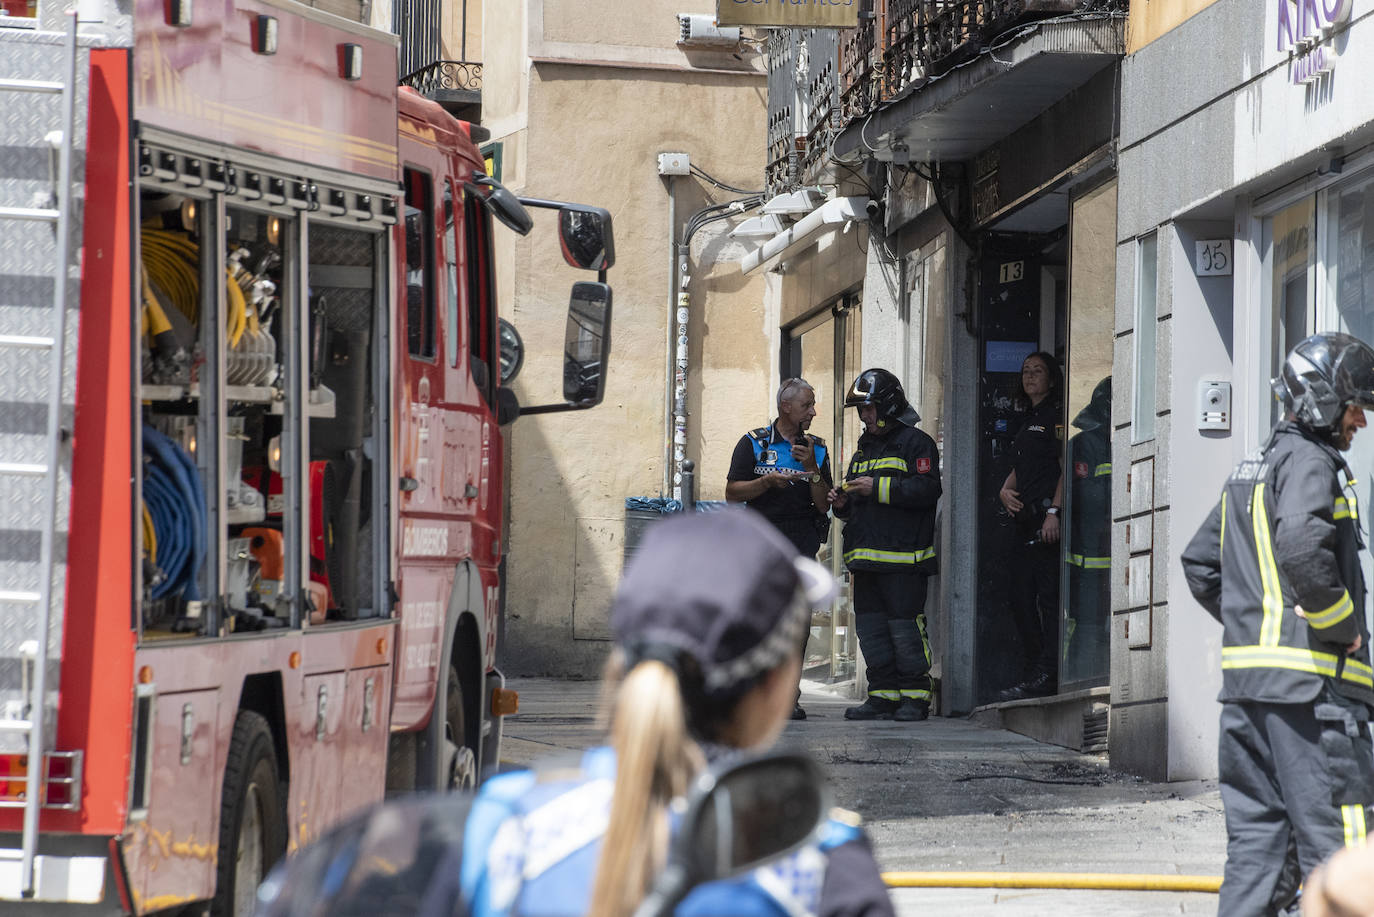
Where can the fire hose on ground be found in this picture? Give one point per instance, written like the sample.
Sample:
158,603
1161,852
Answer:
1102,881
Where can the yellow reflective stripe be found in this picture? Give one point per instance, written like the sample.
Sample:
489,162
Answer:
882,557
1073,560
1104,468
1333,615
1221,542
918,695
1343,510
1097,563
1353,817
1297,660
886,695
889,557
884,490
1269,571
878,464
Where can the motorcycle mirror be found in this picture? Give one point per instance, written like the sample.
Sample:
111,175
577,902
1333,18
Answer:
749,814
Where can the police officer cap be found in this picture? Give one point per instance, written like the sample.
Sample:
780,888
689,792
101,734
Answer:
725,589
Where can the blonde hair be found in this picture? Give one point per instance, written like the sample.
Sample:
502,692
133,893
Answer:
656,760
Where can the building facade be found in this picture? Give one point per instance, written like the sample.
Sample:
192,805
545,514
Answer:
1245,225
580,99
977,143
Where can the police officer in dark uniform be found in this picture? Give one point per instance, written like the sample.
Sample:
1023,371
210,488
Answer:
1277,562
1089,538
783,472
888,504
1033,494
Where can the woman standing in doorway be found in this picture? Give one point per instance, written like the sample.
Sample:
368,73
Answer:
1033,494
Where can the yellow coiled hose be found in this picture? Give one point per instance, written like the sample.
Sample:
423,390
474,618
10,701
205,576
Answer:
172,263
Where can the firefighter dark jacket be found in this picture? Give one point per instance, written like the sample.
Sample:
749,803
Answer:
892,530
1285,535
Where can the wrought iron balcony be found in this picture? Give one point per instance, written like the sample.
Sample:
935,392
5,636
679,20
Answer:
454,84
900,44
803,87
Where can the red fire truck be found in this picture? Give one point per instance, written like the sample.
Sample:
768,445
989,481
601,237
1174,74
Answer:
250,458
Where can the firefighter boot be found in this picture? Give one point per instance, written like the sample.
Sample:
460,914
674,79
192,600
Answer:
911,710
874,708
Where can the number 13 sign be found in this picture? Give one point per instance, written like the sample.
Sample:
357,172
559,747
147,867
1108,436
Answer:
1213,258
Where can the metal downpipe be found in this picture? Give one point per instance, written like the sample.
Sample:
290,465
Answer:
669,344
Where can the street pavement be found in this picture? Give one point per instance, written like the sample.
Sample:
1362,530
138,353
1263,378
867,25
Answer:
948,795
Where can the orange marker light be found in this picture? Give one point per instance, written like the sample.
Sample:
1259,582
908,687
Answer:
504,702
145,675
294,660
381,646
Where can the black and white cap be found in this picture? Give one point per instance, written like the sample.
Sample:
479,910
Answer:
723,588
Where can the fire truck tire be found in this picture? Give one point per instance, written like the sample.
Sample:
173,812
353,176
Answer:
459,763
252,823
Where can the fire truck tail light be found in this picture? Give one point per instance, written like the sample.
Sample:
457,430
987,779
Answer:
61,788
504,702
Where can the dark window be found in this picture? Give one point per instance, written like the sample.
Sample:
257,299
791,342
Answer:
481,302
420,316
451,272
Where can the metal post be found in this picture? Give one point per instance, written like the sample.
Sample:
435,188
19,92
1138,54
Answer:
689,486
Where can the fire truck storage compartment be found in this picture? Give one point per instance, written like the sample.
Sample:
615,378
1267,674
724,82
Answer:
221,420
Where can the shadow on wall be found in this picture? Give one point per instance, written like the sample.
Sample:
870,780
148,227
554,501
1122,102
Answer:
547,633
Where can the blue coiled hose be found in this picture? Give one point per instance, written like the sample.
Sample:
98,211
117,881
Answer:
176,503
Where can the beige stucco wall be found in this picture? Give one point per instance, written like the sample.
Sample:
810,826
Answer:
591,132
1149,20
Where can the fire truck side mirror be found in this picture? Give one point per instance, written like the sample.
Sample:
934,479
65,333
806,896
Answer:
504,205
586,344
585,235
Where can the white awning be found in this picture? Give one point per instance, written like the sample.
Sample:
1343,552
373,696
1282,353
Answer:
834,212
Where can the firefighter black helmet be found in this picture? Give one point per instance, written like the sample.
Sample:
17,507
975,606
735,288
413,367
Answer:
879,388
1322,376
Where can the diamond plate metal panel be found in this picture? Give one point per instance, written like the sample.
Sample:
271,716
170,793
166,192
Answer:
28,170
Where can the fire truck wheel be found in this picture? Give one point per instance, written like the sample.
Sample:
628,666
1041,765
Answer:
252,823
460,764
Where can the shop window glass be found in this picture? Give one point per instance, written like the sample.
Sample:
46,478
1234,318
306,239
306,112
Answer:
1288,256
1084,631
1348,257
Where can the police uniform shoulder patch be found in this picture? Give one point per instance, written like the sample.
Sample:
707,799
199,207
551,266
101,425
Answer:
1080,469
923,465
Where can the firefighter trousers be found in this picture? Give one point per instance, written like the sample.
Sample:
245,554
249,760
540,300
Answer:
889,616
1296,780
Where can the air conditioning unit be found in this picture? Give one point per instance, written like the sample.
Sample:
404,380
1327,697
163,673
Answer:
700,31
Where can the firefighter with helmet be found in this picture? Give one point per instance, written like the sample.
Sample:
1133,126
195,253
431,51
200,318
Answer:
1277,562
887,501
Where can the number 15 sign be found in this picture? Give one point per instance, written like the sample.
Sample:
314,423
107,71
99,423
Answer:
1213,258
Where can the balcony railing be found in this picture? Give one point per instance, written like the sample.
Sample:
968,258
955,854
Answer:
446,76
803,86
902,43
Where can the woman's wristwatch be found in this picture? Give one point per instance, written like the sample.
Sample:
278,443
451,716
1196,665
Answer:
1052,511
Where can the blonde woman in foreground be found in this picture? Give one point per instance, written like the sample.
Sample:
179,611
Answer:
706,622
